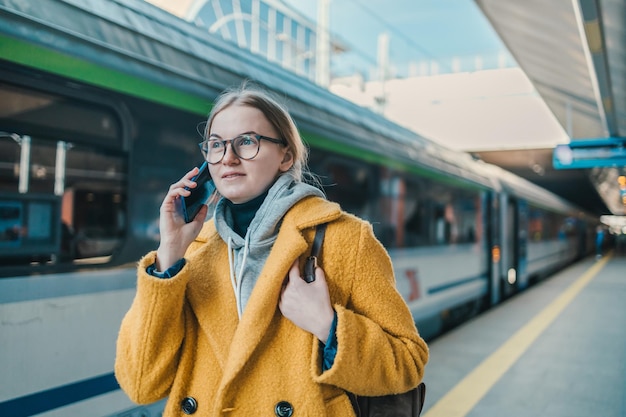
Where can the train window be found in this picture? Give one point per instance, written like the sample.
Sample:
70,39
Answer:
9,161
345,181
63,186
42,166
415,216
94,203
29,230
89,183
405,210
544,225
435,213
393,200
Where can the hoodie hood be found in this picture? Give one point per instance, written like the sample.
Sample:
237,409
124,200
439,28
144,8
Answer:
247,255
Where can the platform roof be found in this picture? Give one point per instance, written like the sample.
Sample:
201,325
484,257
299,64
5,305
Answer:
574,53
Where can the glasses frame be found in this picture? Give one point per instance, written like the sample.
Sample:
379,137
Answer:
226,142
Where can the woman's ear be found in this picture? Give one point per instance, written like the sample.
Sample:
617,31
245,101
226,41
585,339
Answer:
287,161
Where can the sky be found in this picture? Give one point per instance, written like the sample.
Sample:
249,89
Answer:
455,104
419,31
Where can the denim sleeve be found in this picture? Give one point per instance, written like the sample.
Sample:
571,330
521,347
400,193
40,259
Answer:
330,349
169,272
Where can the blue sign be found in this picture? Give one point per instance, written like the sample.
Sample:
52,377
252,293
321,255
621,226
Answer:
590,153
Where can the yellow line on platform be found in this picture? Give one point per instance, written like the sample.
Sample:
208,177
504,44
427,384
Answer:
460,400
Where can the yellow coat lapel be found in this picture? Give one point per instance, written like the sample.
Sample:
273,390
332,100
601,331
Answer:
263,303
210,293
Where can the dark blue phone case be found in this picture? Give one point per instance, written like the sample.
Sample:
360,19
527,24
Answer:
199,195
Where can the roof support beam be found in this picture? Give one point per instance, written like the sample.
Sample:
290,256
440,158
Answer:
590,25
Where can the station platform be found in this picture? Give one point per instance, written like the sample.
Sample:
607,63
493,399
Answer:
556,350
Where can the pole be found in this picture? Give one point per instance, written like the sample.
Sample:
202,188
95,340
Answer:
322,55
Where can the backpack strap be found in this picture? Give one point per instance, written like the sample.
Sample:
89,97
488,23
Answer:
311,261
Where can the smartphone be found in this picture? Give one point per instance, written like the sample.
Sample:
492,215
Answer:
191,204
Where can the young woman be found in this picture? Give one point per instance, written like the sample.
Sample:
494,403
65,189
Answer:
222,322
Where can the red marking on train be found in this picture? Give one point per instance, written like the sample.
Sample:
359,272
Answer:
411,276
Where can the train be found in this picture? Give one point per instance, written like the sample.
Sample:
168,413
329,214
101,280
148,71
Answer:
100,104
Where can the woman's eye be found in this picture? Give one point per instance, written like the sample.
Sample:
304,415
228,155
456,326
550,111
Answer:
215,144
246,141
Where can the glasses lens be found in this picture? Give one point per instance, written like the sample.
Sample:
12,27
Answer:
213,150
246,146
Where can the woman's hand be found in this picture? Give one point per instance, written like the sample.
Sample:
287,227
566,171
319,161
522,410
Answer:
176,235
307,305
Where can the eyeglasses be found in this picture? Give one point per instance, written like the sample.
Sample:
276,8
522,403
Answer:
245,146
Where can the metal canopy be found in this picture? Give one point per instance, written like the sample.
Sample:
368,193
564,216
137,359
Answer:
574,52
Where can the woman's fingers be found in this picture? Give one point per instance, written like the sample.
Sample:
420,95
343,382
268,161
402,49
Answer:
294,271
307,305
186,181
177,190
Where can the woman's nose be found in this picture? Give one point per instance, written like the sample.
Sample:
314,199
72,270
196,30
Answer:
229,154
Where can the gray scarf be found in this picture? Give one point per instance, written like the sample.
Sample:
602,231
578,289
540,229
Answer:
247,255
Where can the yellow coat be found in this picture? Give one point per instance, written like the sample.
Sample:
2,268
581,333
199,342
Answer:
181,337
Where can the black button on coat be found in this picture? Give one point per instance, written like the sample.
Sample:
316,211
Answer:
189,405
283,409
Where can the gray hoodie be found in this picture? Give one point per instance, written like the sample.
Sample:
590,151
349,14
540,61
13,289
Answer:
247,255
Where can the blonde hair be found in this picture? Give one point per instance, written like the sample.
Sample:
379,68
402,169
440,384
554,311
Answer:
250,95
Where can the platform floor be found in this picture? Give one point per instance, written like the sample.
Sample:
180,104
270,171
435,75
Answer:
555,350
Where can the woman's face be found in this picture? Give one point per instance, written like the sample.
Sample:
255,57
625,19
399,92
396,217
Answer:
241,180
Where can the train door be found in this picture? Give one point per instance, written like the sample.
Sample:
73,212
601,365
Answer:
492,221
510,245
522,244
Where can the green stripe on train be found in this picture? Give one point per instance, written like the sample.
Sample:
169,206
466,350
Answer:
56,62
